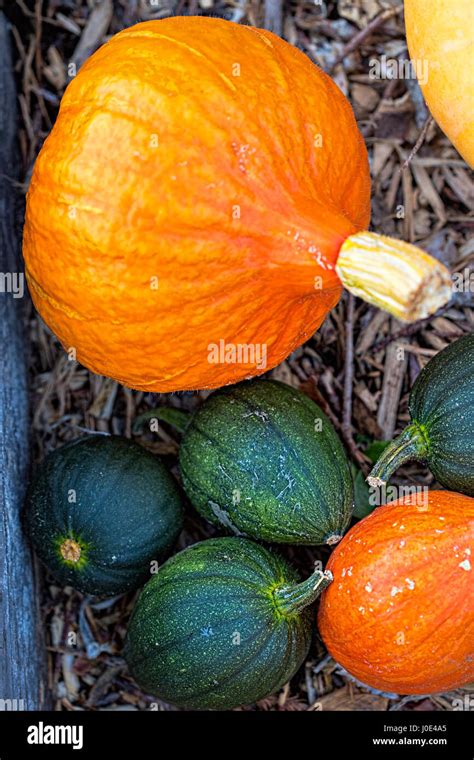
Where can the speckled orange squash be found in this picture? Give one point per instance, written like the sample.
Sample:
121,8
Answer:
399,615
441,44
188,212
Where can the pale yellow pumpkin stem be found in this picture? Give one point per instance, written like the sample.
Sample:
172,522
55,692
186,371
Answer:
395,276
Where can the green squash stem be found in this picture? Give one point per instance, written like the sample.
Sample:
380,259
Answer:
291,600
409,445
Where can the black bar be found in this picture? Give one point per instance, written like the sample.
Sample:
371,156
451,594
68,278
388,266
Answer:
127,734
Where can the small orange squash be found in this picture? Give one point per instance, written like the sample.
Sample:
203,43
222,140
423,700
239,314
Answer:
441,44
199,204
399,614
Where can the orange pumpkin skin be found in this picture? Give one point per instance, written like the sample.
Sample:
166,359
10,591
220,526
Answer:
196,188
399,614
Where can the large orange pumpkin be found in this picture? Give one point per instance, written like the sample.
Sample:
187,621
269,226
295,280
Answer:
399,614
441,43
188,212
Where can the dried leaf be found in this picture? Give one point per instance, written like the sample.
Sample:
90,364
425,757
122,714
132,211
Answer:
461,184
382,151
55,71
366,98
360,12
429,191
394,372
71,680
348,699
97,25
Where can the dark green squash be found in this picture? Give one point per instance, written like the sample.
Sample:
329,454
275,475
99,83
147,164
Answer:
223,623
441,433
262,460
99,510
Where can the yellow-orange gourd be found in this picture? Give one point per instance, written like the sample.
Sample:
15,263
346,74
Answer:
440,39
188,212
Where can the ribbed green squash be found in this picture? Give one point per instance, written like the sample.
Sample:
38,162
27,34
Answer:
99,510
441,433
262,460
223,623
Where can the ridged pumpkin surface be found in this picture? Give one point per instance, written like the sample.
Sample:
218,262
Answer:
263,460
399,615
207,633
442,429
442,402
201,176
440,39
99,511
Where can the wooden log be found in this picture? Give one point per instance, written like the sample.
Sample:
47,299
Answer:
273,16
22,651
